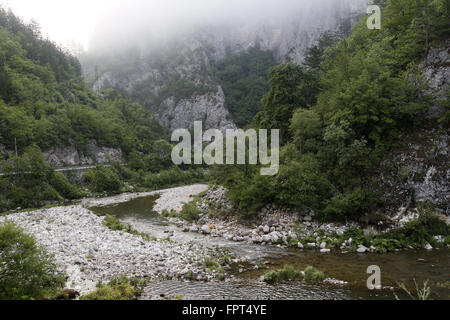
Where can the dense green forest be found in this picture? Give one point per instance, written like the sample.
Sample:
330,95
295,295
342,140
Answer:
243,78
341,112
44,103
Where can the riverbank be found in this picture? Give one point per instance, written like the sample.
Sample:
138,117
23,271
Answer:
88,252
281,227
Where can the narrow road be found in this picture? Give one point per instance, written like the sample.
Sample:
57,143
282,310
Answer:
62,169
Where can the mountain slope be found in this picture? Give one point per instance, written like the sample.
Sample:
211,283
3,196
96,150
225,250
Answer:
44,101
174,77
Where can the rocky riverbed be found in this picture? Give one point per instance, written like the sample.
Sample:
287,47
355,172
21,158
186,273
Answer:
89,252
276,226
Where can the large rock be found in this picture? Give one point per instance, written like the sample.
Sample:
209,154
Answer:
206,229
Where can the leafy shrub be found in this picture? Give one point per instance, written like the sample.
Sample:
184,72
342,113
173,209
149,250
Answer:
314,275
190,212
65,188
350,206
419,232
26,270
172,177
103,179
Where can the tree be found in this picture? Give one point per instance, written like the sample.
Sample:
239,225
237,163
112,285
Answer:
26,270
292,87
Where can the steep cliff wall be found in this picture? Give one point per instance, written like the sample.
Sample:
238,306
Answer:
154,76
418,168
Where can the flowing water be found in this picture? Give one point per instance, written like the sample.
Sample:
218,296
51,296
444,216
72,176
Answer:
396,267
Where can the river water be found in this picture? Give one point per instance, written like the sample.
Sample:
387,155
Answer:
396,267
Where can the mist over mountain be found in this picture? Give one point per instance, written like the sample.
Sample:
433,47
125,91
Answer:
165,56
277,25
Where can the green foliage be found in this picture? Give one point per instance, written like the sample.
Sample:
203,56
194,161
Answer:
26,270
44,101
416,233
121,288
301,183
114,224
291,87
314,275
65,188
249,194
190,212
350,206
29,182
211,264
315,54
244,80
288,273
103,179
340,115
171,177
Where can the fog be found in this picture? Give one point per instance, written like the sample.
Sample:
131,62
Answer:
105,23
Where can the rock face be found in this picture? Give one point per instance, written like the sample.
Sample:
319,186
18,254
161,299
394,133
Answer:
66,156
418,166
70,156
436,70
209,107
148,73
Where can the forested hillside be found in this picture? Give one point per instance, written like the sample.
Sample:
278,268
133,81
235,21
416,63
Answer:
44,100
243,78
341,115
44,104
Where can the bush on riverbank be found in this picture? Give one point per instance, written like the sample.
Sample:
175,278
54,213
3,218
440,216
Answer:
26,270
103,179
428,228
314,275
121,288
416,234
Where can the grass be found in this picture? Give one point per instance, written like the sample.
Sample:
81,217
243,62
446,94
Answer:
114,224
121,288
288,273
314,275
422,293
211,264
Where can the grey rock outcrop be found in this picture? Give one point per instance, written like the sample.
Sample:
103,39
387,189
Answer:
210,108
70,156
418,167
436,71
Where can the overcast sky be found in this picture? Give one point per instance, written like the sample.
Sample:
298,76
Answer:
77,20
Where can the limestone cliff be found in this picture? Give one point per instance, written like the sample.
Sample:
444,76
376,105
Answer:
418,168
172,78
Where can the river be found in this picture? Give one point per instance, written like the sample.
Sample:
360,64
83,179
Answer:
396,267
